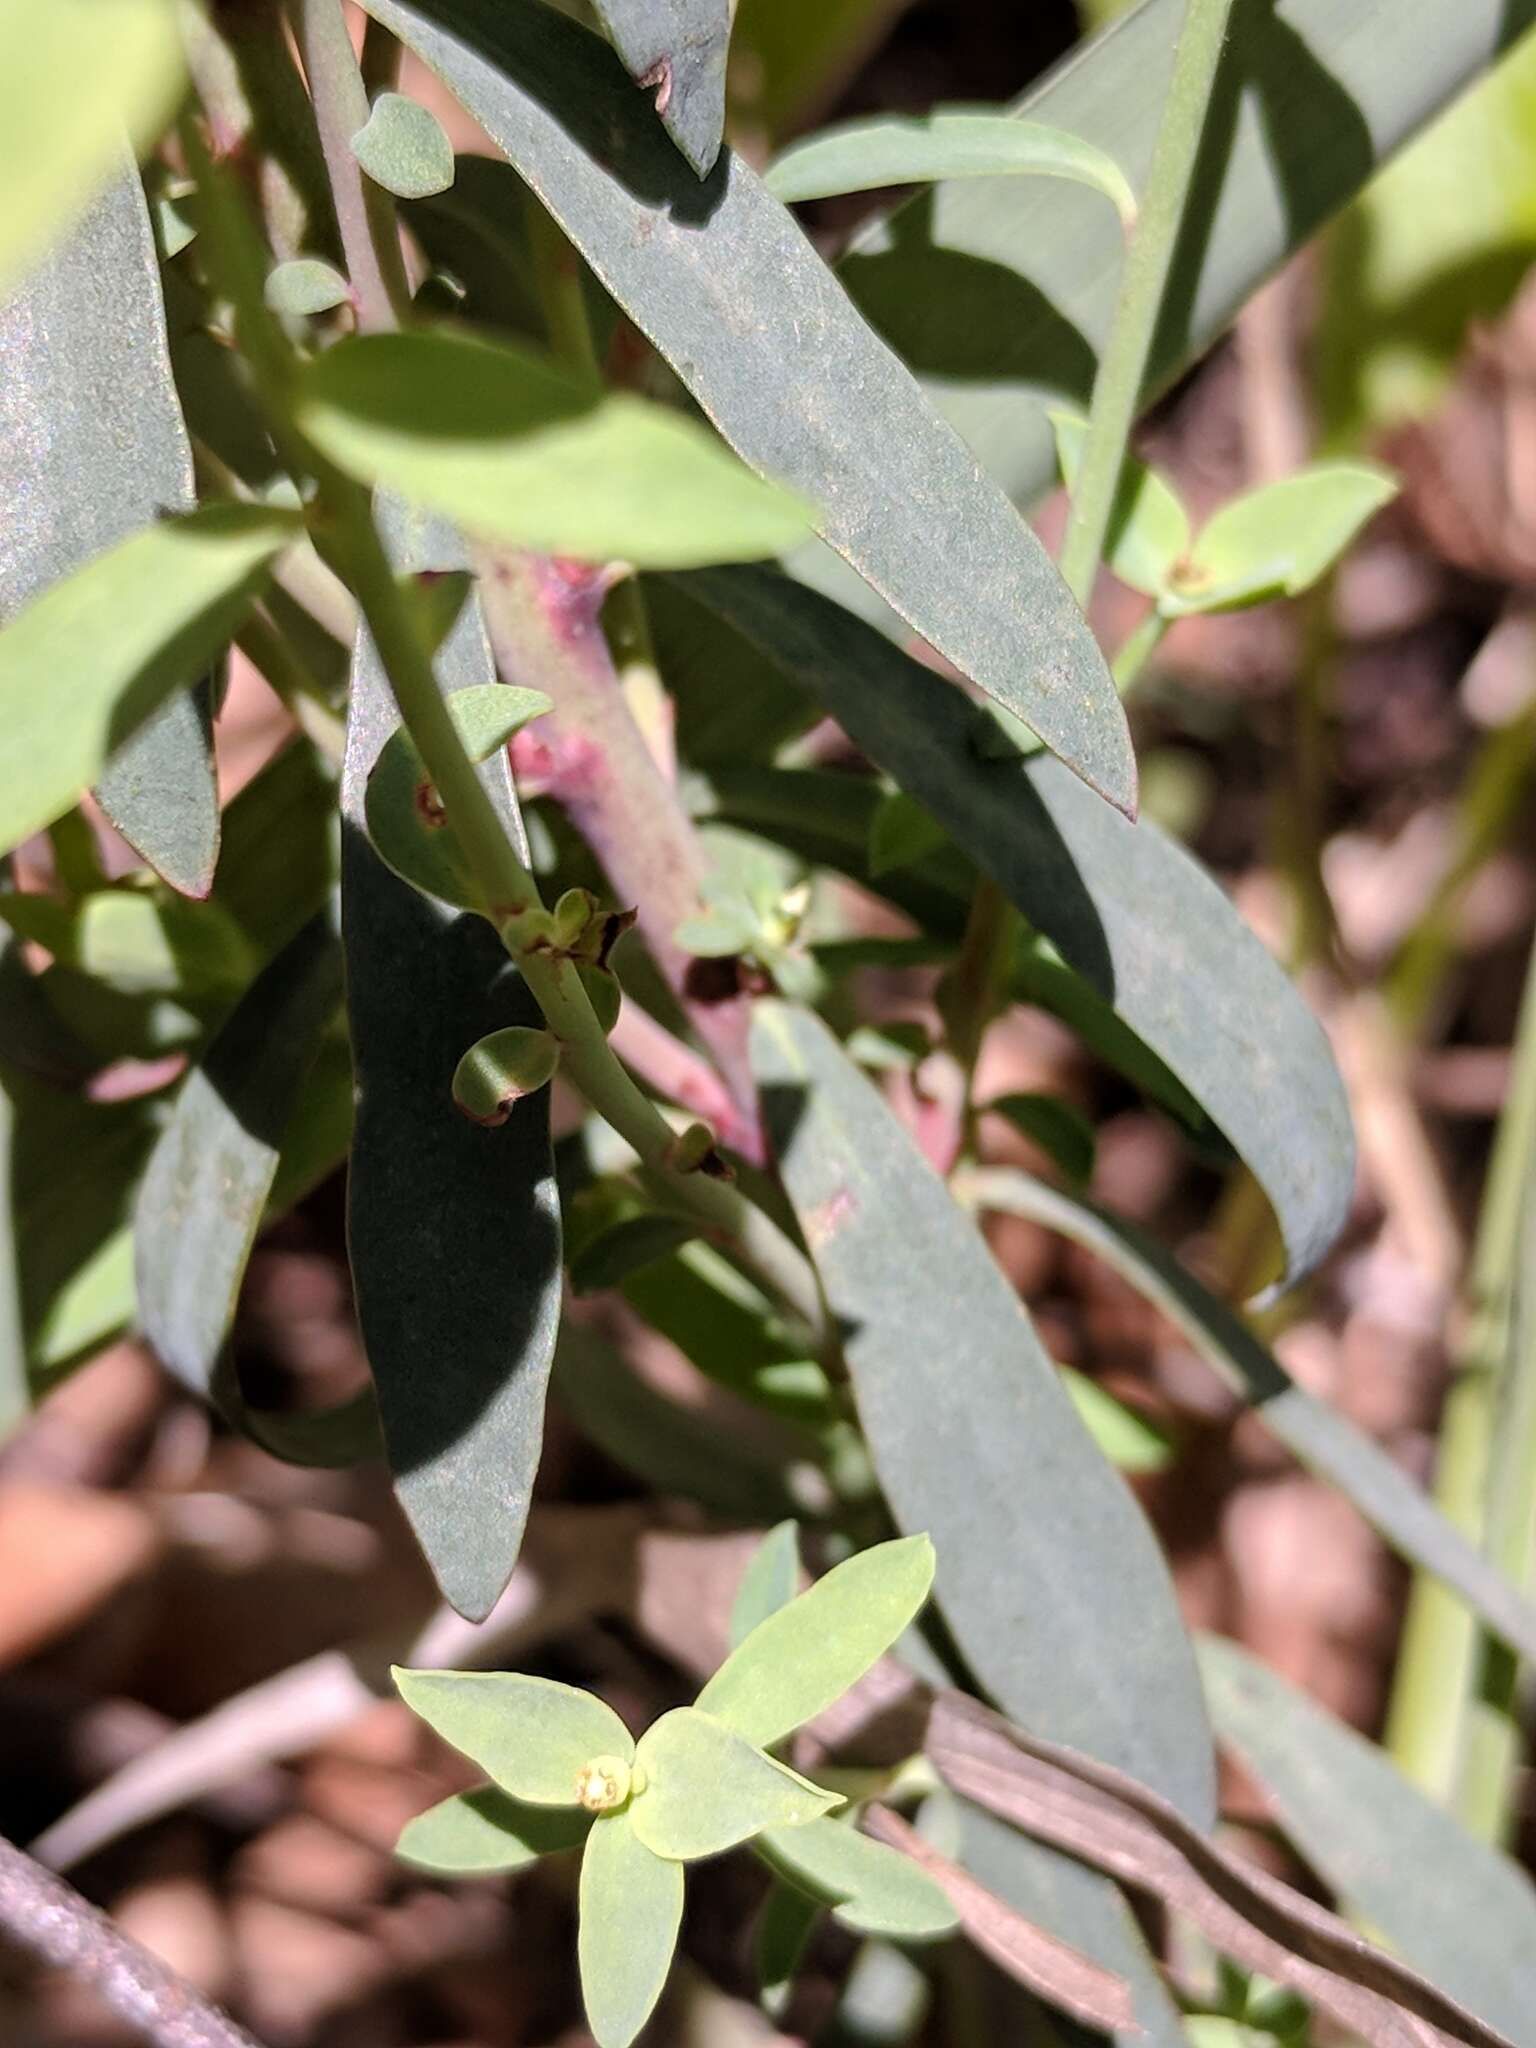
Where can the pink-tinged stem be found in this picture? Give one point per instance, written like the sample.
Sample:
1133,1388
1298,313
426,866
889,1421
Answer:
543,617
676,1071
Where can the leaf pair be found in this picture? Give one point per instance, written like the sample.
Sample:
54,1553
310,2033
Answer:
697,1782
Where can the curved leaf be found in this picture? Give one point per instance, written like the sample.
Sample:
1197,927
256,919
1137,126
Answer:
534,1736
1450,1905
729,290
770,1581
870,1888
1047,1574
402,147
680,47
453,1231
801,1658
708,1788
1282,536
484,1831
306,285
631,1909
90,319
495,439
1129,910
74,77
863,156
1322,1440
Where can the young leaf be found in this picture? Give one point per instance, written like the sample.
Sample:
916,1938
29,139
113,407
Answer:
533,1735
500,1069
707,1788
679,47
496,440
1149,532
306,285
410,830
1047,1575
769,1582
489,714
402,147
806,1655
75,76
140,621
870,1888
1126,908
90,318
1059,1128
1127,1439
484,1831
1280,538
631,1905
1450,1905
862,156
724,283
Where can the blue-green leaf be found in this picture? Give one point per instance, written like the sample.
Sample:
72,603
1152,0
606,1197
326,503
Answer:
402,147
306,286
1047,1576
725,284
679,47
534,1736
631,1909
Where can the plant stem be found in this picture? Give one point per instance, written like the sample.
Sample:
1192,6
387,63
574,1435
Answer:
1138,649
370,236
1123,365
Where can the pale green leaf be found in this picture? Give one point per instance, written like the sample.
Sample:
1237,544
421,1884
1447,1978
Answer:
507,447
501,1068
306,285
1281,537
770,1581
871,1888
482,1831
410,830
402,146
75,75
137,623
143,943
631,1906
534,1736
1127,1439
707,1788
1149,533
489,714
806,1655
862,156
679,47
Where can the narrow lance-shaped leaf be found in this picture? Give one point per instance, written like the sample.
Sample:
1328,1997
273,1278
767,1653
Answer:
769,1582
631,1906
679,47
1130,911
862,156
506,446
707,1788
80,477
803,1657
870,1888
1450,1905
453,1231
1047,1575
1320,1437
533,1735
727,287
474,1833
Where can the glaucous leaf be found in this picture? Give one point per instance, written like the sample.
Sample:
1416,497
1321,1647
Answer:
708,1788
1047,1575
306,285
1127,909
863,156
870,1888
631,1905
801,1658
402,147
453,1232
1279,538
1149,531
74,76
534,1736
507,447
1323,1440
1449,1904
500,1069
140,621
723,282
83,477
680,47
483,1831
770,1581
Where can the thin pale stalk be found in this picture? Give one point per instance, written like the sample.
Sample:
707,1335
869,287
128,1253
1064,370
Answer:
1138,649
1122,371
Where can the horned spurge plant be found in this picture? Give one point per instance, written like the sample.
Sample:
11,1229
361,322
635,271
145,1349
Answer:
566,1772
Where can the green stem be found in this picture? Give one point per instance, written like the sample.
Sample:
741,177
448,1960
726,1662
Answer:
365,214
1138,650
971,994
1122,369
